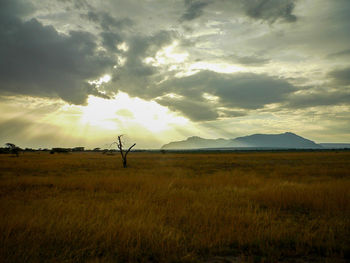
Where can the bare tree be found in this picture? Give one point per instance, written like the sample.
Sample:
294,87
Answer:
123,153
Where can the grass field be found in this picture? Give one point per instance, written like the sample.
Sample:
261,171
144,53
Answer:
249,207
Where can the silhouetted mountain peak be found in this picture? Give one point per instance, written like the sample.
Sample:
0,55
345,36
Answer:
283,140
194,138
287,140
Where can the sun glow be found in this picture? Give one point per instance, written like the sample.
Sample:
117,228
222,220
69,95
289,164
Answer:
122,111
167,55
47,123
104,79
99,113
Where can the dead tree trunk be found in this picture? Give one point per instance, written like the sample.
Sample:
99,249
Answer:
123,153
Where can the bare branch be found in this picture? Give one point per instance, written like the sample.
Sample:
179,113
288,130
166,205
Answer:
122,152
129,149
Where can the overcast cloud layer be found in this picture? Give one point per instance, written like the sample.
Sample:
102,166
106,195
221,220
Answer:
209,61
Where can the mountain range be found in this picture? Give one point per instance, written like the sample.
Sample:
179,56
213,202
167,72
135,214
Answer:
286,140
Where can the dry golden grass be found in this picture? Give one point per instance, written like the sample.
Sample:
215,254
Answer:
258,207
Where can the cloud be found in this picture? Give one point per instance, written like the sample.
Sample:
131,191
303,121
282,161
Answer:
333,92
78,4
343,53
229,113
303,40
19,7
244,91
135,76
37,60
317,98
110,40
106,21
264,10
340,76
270,10
111,28
194,9
249,60
141,47
193,109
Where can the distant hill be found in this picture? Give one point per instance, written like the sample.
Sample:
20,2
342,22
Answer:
335,145
283,140
197,143
286,140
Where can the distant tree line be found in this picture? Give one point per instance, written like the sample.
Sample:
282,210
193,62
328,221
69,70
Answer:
11,148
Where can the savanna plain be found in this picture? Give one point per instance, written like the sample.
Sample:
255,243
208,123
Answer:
175,207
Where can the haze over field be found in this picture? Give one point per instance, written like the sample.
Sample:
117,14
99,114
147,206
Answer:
80,72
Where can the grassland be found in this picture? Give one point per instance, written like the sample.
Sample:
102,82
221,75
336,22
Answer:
253,207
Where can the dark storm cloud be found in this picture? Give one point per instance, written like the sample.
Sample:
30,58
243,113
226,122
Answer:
321,97
106,21
244,91
340,76
264,10
112,28
334,92
193,109
241,90
37,60
141,47
194,9
228,113
19,7
270,10
135,76
323,29
78,4
110,40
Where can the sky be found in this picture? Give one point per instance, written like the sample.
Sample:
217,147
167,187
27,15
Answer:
82,72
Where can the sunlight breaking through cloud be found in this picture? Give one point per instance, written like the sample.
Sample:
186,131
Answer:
106,113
